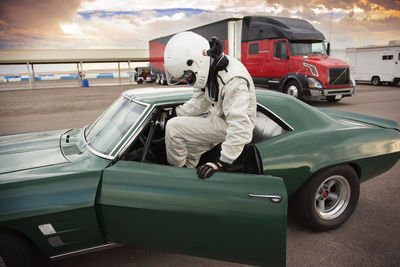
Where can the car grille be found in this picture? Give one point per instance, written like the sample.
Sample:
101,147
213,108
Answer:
339,76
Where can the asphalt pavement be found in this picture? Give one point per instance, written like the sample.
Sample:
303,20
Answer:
371,237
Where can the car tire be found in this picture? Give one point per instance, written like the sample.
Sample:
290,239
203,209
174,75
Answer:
375,81
331,99
15,250
292,88
328,198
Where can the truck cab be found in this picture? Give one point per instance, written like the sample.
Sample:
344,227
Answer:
291,55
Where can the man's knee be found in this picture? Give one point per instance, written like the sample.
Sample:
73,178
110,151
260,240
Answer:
175,126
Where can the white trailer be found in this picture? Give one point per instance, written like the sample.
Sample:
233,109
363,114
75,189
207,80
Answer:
375,64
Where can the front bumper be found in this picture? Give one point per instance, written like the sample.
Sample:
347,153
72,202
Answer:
324,93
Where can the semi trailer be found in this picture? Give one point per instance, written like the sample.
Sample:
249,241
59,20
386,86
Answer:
280,53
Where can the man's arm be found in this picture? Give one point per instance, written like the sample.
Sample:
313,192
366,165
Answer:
239,125
196,106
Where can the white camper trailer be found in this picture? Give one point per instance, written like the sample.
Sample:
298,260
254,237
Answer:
375,64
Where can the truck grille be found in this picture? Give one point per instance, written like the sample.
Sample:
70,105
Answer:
339,76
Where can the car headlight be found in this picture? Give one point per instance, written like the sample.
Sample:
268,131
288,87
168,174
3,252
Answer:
314,83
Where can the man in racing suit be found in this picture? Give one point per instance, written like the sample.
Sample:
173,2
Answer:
223,90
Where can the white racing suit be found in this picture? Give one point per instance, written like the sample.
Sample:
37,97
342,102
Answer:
229,121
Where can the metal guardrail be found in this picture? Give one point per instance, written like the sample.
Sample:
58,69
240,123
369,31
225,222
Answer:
68,56
52,56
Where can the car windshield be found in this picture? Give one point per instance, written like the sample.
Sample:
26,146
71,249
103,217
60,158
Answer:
300,48
109,129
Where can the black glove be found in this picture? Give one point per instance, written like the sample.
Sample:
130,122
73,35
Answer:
208,169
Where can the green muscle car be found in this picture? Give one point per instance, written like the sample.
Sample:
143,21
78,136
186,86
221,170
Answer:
77,190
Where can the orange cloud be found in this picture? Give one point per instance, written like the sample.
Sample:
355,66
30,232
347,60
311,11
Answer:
3,24
32,20
378,12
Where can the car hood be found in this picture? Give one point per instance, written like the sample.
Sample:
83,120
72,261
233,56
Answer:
32,150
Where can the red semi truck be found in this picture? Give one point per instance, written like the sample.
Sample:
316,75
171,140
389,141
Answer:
286,54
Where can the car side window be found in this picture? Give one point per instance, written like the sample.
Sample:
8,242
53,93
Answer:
149,144
265,128
280,50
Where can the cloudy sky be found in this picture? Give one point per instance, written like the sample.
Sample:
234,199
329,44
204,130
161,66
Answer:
44,24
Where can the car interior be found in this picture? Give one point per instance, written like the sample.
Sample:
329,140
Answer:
149,144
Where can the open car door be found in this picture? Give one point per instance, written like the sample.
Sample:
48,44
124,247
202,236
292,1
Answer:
231,216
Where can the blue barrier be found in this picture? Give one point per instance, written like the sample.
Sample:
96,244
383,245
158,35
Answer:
16,78
23,79
85,83
105,75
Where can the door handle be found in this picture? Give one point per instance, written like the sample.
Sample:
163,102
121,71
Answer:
273,197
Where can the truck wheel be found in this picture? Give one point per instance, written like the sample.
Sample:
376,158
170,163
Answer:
162,80
328,198
15,250
158,79
376,81
293,89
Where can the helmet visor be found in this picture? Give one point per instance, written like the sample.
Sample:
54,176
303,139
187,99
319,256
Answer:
188,77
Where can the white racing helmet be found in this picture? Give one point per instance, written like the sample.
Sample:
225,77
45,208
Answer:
186,59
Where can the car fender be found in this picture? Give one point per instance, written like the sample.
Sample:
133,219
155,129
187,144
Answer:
54,206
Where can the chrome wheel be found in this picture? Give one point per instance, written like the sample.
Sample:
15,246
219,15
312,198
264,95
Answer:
293,91
332,197
328,198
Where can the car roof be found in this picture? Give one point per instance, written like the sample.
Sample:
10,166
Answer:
297,114
160,95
